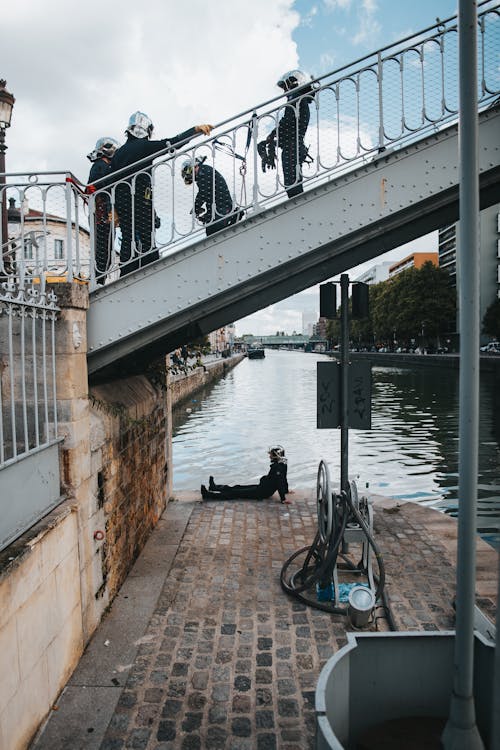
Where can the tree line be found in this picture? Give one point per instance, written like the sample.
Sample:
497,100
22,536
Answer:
418,307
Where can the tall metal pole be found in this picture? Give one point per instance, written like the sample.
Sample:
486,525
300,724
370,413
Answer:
344,374
3,194
461,732
495,724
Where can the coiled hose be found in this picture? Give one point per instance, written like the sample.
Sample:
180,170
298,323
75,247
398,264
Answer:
321,559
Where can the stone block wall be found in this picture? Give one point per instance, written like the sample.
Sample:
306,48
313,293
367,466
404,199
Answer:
57,580
40,624
182,386
130,438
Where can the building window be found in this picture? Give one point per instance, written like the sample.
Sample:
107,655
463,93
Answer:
28,249
58,249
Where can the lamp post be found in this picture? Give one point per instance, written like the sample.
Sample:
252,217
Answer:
6,106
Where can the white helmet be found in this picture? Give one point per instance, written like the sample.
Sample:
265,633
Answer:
293,79
277,452
105,146
187,168
139,125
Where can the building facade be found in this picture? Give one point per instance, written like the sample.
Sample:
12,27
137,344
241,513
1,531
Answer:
414,260
489,240
376,274
42,238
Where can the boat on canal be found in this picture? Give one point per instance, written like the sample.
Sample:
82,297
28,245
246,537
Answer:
256,352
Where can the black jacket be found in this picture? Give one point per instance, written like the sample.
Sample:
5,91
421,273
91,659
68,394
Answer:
99,169
212,191
134,149
275,480
294,121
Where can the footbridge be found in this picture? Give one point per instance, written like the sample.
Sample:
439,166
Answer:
383,170
287,248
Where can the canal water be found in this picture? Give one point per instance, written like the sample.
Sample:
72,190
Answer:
411,452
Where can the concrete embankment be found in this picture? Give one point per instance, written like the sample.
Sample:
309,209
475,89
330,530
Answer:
391,359
184,384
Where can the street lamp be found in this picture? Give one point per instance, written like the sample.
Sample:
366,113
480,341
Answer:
6,106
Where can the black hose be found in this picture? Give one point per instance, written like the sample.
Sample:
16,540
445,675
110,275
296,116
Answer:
313,574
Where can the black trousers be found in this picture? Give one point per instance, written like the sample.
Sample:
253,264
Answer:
223,223
141,223
241,491
102,250
291,162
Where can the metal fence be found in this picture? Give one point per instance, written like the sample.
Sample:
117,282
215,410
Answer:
29,468
378,103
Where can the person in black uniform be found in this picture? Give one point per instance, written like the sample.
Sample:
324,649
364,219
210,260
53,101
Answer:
291,130
213,205
101,164
274,481
138,193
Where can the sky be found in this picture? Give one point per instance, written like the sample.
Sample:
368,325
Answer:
78,70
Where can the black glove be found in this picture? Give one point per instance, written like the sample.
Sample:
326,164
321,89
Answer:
271,152
267,153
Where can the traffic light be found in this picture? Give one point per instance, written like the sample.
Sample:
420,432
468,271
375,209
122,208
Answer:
360,300
328,300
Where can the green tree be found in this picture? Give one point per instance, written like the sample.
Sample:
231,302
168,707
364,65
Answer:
491,320
416,301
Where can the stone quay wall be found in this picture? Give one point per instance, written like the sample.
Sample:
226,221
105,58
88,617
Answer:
58,579
182,386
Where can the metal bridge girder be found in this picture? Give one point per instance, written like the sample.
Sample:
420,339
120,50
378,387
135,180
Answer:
332,227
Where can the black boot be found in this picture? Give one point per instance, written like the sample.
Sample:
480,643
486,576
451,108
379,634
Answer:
212,486
206,495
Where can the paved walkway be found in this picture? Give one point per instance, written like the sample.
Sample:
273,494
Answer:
223,658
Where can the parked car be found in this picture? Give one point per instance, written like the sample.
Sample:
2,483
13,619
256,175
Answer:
492,348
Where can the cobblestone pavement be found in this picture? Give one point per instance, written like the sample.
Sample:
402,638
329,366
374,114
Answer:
228,660
232,662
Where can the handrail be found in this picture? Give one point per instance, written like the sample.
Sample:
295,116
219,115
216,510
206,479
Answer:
279,97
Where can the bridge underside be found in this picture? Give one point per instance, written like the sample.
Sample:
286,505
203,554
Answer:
282,250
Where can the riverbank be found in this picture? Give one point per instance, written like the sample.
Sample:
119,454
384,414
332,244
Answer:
184,384
202,649
488,363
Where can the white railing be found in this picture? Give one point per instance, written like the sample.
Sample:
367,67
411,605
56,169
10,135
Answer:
27,370
378,103
29,465
48,227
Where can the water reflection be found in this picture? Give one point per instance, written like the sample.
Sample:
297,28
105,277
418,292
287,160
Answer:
410,453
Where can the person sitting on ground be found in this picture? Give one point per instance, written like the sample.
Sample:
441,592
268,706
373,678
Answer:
275,480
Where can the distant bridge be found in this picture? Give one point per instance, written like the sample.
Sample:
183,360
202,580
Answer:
285,341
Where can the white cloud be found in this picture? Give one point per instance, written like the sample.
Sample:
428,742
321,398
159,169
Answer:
266,322
368,26
334,4
76,78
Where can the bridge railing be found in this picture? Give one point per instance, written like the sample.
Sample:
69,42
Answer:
48,227
29,464
380,102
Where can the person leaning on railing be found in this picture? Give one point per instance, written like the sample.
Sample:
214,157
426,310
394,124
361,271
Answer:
101,165
138,146
291,131
213,205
